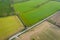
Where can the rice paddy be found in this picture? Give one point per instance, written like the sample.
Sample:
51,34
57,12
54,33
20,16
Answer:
28,6
36,15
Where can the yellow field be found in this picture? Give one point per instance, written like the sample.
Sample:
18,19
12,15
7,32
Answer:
9,26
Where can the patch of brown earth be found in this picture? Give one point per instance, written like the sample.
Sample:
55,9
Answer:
56,18
35,31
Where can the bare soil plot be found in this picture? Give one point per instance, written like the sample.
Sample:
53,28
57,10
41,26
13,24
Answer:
52,33
9,26
39,30
55,19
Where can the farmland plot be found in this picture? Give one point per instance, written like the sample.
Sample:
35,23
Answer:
44,31
19,1
52,33
55,19
28,6
32,17
9,26
57,0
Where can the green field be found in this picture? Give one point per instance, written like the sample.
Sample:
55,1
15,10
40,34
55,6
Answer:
57,0
9,26
28,6
36,15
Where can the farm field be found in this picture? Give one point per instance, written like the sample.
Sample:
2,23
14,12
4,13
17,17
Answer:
32,17
44,31
19,1
9,26
17,16
55,19
57,0
28,6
